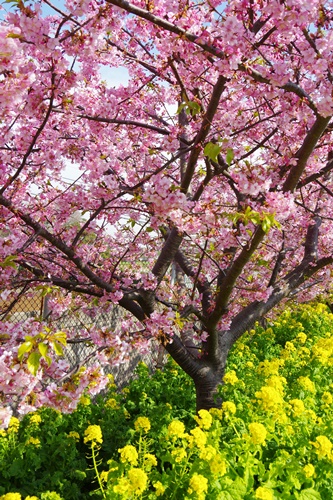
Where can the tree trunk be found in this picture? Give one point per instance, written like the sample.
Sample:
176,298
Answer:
206,385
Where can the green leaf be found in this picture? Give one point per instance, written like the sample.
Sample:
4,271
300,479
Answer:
212,151
48,360
25,347
309,494
237,490
43,348
9,262
229,156
58,349
13,35
33,362
191,108
60,337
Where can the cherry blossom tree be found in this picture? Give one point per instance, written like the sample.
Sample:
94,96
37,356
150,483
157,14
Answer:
203,190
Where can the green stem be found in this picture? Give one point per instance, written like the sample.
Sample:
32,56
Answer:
96,469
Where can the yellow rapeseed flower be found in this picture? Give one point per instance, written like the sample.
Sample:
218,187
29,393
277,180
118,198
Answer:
301,337
323,447
74,435
199,437
160,489
230,377
138,481
297,407
199,485
179,454
33,441
216,412
229,407
11,496
204,419
323,351
269,398
35,419
128,454
84,401
176,429
104,476
271,367
309,470
208,453
277,382
263,493
112,403
13,426
258,433
150,460
142,424
122,487
307,384
93,433
218,466
327,398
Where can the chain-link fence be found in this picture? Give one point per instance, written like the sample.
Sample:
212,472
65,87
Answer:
81,351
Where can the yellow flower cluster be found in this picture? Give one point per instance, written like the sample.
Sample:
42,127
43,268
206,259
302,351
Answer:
204,419
323,351
199,437
138,481
208,453
297,407
258,433
150,460
306,384
263,493
301,337
11,496
308,470
159,488
230,378
33,441
179,454
176,429
14,424
93,433
218,466
216,413
135,484
229,408
271,367
327,398
277,382
84,400
112,403
128,454
35,419
142,424
269,398
74,435
323,447
199,485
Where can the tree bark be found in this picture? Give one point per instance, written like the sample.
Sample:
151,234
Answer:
206,384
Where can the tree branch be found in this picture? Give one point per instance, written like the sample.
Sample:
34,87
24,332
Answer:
227,283
304,152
